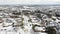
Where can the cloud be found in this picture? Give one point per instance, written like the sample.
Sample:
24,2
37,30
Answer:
29,1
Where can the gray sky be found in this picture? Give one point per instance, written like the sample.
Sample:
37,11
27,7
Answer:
29,2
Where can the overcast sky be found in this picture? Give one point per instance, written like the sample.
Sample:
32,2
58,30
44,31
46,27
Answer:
29,2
